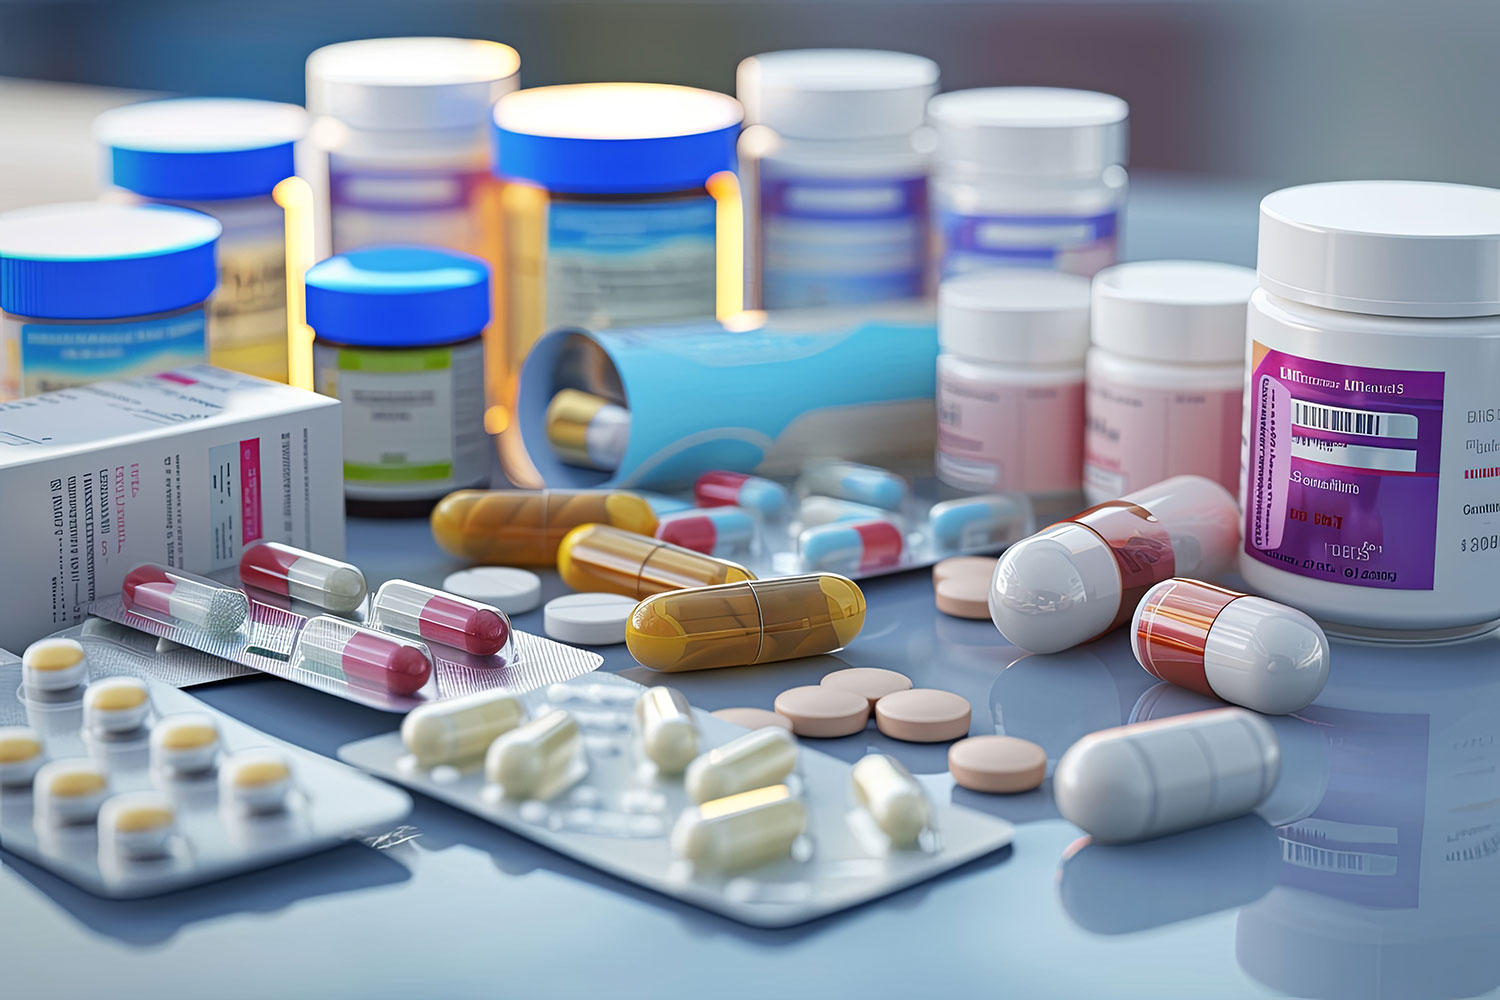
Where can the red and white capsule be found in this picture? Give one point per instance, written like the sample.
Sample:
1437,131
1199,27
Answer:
714,531
737,489
185,597
851,546
363,656
303,576
1246,650
438,617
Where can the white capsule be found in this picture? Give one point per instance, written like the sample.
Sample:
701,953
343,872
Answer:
186,743
459,729
972,524
185,597
20,755
537,760
303,576
864,484
256,780
1148,779
741,831
69,791
139,825
116,705
758,758
892,797
668,732
816,510
54,665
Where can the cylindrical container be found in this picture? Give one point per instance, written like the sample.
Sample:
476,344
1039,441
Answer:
763,395
399,342
525,527
1010,382
1165,375
91,291
399,144
834,161
221,157
1372,489
596,557
1247,650
1083,576
1028,177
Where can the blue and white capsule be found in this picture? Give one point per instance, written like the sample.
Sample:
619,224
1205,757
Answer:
860,483
977,524
762,497
714,531
851,547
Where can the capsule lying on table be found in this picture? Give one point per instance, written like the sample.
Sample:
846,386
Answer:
524,527
596,557
738,624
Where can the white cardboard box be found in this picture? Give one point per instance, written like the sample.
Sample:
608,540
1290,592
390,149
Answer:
184,469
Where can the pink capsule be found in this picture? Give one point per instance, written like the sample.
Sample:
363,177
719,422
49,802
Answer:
364,656
736,489
439,617
303,576
184,597
714,531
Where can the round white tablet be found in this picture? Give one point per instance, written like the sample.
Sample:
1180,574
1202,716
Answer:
514,591
588,619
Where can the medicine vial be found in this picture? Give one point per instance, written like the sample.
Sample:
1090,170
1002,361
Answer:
222,157
598,558
1028,177
759,758
525,527
1372,488
1010,396
740,832
863,484
303,576
1149,779
1246,650
21,756
1165,375
1083,577
255,781
81,275
668,731
185,744
139,825
765,497
456,730
399,343
54,665
538,759
402,606
335,647
714,531
184,598
115,706
587,430
834,160
738,624
885,789
69,791
852,546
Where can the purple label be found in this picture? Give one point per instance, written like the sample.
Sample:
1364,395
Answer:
843,199
1342,482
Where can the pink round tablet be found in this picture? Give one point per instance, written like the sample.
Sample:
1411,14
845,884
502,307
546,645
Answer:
824,712
964,566
961,586
923,715
753,718
1000,764
871,683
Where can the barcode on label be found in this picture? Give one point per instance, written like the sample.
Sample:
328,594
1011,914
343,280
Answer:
1342,420
1346,862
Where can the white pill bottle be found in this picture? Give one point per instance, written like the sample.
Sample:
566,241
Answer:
1371,491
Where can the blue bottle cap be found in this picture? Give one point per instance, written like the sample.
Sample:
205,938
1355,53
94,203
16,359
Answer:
398,296
85,260
199,148
615,138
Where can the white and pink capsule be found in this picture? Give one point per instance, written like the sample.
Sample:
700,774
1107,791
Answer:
184,597
303,576
439,617
364,656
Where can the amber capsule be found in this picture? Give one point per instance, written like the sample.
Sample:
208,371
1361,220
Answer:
596,557
737,624
524,527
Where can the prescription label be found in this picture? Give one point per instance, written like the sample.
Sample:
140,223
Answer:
1076,244
1139,435
611,264
841,240
1342,475
60,355
434,207
1009,438
413,419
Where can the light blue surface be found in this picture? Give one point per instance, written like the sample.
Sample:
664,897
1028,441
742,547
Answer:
398,296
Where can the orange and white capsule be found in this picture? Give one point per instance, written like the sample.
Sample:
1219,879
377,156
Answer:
1246,650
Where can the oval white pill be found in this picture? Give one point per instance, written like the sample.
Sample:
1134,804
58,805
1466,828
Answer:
588,619
514,591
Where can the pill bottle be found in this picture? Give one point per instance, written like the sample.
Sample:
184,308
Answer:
834,163
1166,375
91,291
1372,489
1010,381
1028,177
399,342
221,157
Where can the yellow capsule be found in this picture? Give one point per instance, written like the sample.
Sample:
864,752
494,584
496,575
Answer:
524,527
738,624
596,557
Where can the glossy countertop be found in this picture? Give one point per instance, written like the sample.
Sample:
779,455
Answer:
1370,872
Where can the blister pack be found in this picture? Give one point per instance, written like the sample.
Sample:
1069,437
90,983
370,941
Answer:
634,781
130,787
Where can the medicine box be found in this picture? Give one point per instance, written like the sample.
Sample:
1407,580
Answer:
183,468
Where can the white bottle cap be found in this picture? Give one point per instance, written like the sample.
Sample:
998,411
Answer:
1031,130
1015,317
1056,589
836,93
411,83
1386,248
1173,310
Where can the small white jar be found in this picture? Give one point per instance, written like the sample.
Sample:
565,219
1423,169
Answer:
1372,485
1028,177
1010,382
1165,375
